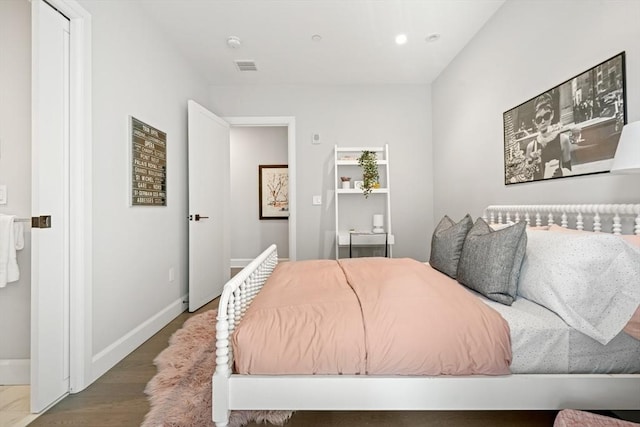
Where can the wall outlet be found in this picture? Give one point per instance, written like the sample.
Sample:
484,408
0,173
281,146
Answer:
317,200
172,274
315,138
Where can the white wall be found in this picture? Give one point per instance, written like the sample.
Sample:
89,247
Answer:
15,173
251,147
525,49
136,72
350,116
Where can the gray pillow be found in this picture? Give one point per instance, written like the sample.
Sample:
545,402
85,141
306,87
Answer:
446,244
490,260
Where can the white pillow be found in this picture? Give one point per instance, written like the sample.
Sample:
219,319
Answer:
496,227
591,281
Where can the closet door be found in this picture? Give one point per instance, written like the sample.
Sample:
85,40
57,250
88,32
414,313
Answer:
50,198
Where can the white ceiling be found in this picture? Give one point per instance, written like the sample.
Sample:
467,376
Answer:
357,45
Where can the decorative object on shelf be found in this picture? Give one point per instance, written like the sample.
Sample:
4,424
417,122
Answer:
273,191
571,129
378,223
346,182
358,184
368,161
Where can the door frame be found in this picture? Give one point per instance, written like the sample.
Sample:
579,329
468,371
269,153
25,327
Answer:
290,123
80,168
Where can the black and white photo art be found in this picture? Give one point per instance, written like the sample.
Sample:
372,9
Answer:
572,129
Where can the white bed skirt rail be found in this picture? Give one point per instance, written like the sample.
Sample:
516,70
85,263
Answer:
443,393
578,217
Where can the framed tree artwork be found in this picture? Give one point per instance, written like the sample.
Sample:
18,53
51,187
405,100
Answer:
571,129
273,191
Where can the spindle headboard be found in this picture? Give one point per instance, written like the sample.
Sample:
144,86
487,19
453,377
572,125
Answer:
613,218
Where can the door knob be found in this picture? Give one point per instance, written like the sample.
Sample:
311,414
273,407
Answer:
42,221
199,217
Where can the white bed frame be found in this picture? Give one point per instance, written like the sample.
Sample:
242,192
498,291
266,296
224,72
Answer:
477,392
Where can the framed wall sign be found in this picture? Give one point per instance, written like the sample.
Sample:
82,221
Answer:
571,129
273,191
148,165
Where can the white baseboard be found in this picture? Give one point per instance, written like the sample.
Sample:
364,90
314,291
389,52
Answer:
243,262
15,371
117,351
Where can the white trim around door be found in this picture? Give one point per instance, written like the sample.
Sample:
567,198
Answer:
290,123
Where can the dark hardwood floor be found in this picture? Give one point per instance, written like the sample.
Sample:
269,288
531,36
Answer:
419,419
117,398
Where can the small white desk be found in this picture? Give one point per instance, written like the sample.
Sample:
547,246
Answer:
362,238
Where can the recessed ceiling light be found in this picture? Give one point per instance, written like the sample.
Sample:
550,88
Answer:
401,39
316,37
433,37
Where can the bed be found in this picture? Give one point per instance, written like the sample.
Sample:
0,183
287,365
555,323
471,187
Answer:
556,384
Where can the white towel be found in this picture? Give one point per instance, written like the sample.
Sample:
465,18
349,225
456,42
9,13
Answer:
9,271
18,234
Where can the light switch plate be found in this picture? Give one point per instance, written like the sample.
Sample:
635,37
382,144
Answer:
315,138
317,200
3,194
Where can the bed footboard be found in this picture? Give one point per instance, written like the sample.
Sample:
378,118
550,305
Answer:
236,298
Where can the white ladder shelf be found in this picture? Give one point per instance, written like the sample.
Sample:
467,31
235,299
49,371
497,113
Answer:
354,212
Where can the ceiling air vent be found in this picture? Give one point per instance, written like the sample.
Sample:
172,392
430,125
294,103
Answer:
246,65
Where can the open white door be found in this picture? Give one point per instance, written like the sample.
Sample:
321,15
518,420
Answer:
209,198
50,197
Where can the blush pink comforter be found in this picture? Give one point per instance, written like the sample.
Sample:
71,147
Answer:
369,316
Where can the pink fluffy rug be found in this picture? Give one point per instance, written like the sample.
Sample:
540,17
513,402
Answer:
180,393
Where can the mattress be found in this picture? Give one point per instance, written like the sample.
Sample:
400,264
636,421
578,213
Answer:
543,343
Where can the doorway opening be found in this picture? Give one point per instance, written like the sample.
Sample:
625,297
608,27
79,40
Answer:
258,141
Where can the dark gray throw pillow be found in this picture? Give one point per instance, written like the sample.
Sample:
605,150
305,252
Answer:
446,244
490,260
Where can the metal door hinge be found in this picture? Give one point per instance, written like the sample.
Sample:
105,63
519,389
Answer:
42,221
